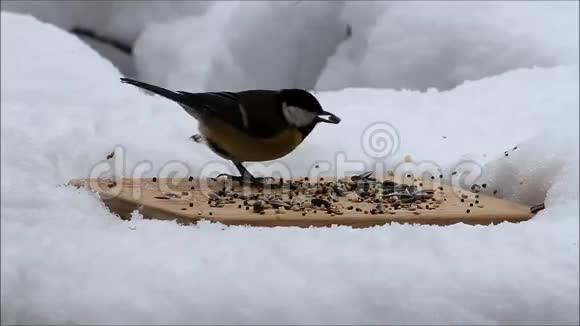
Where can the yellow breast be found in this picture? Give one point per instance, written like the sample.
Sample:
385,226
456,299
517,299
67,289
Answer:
244,148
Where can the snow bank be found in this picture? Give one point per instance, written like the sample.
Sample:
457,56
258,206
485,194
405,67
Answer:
120,20
335,45
253,44
324,45
422,44
66,259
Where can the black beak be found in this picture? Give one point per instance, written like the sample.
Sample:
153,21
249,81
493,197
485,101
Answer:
331,118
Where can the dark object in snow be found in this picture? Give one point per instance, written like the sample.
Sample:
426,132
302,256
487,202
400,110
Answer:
190,178
125,48
196,138
154,179
111,155
537,208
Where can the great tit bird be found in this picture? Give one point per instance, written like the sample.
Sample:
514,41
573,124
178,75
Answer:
251,125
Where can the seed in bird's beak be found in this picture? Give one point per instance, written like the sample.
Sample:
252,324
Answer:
331,118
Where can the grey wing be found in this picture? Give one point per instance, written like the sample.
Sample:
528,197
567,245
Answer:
223,105
249,114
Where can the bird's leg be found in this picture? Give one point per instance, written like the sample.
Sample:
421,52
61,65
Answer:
245,176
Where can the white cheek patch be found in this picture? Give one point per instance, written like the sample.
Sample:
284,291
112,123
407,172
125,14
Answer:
298,116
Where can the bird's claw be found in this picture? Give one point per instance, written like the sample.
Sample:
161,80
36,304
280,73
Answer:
363,176
255,181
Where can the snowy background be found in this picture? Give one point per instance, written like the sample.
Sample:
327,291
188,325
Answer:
458,80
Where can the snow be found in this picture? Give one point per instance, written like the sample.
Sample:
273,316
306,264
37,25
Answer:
423,44
331,45
392,44
257,44
66,259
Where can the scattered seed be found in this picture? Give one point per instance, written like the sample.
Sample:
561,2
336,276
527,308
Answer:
320,202
259,206
477,201
470,204
110,156
454,173
183,209
190,204
210,213
483,185
462,200
154,179
190,178
240,206
468,211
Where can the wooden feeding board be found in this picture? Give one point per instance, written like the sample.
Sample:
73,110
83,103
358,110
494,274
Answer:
303,203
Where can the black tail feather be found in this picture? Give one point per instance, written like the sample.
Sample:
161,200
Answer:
155,89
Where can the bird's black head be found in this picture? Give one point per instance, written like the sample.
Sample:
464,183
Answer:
301,109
